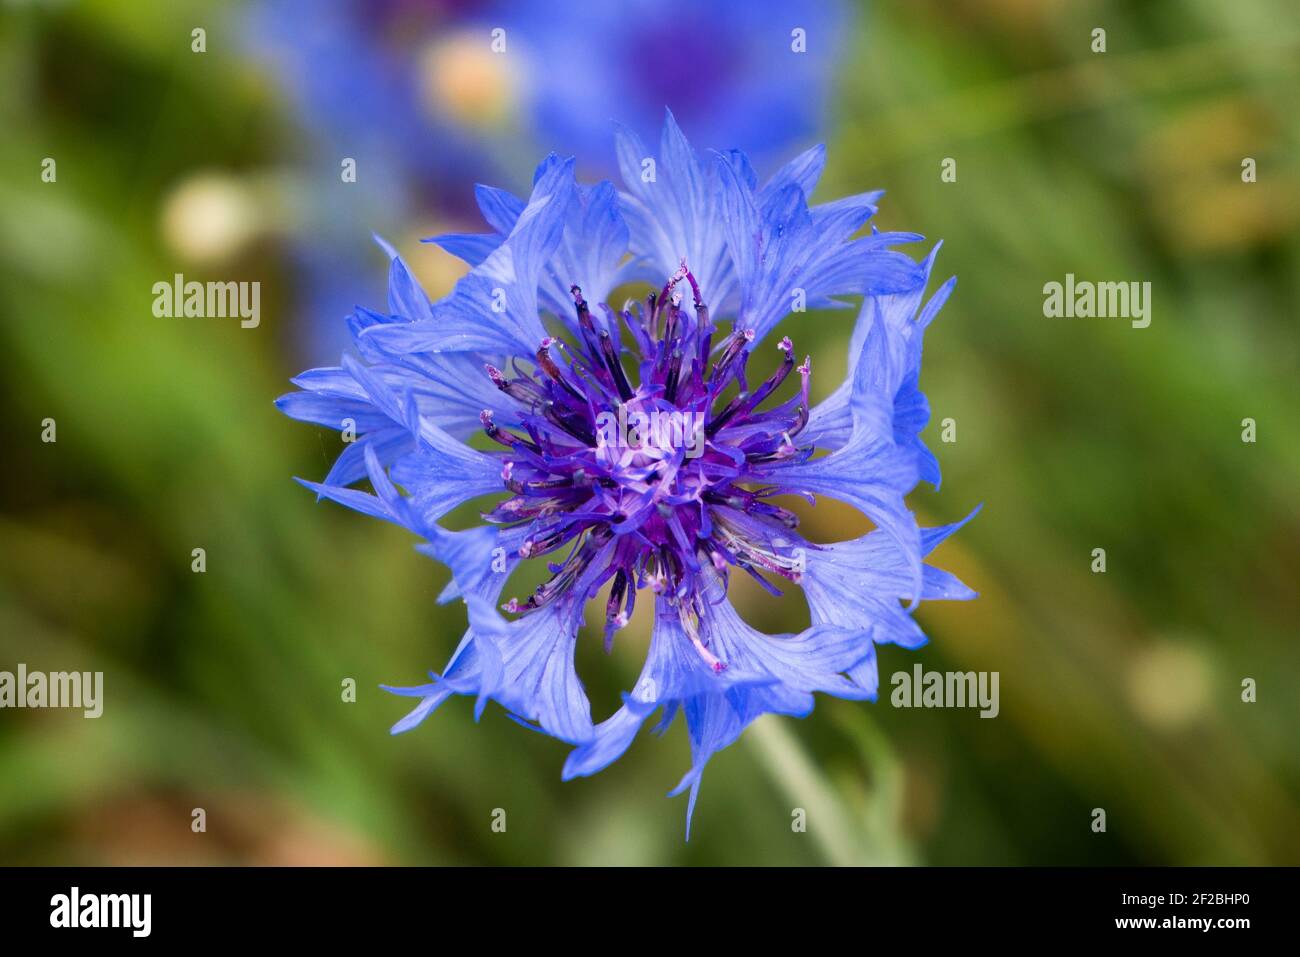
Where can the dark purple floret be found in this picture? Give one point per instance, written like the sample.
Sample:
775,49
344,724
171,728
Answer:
655,464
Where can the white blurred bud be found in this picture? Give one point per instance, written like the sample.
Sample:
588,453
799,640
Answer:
1169,684
209,217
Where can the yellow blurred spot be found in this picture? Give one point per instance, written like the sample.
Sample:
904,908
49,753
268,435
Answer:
1192,166
462,78
209,217
435,269
1169,684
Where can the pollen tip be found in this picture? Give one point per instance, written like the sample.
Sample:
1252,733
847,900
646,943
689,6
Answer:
785,345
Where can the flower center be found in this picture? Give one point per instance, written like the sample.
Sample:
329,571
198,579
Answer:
648,485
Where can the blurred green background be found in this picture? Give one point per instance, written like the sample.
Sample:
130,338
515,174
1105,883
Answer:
1119,691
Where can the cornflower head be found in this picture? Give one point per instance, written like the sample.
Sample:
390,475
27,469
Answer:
635,454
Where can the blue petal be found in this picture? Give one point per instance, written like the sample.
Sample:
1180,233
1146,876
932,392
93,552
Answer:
494,308
331,411
442,472
896,357
676,215
473,248
439,481
780,249
352,498
857,585
803,172
481,559
388,444
762,674
673,672
713,724
474,669
871,474
538,680
590,254
501,209
406,299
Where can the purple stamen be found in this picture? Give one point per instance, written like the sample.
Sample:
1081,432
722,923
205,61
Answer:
661,489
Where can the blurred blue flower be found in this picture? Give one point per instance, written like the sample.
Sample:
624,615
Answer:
425,89
357,73
368,81
757,75
635,450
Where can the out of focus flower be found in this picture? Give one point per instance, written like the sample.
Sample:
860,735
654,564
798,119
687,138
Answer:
403,76
210,217
360,78
756,75
637,451
395,87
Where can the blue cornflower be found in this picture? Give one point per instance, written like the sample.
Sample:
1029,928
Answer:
633,449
